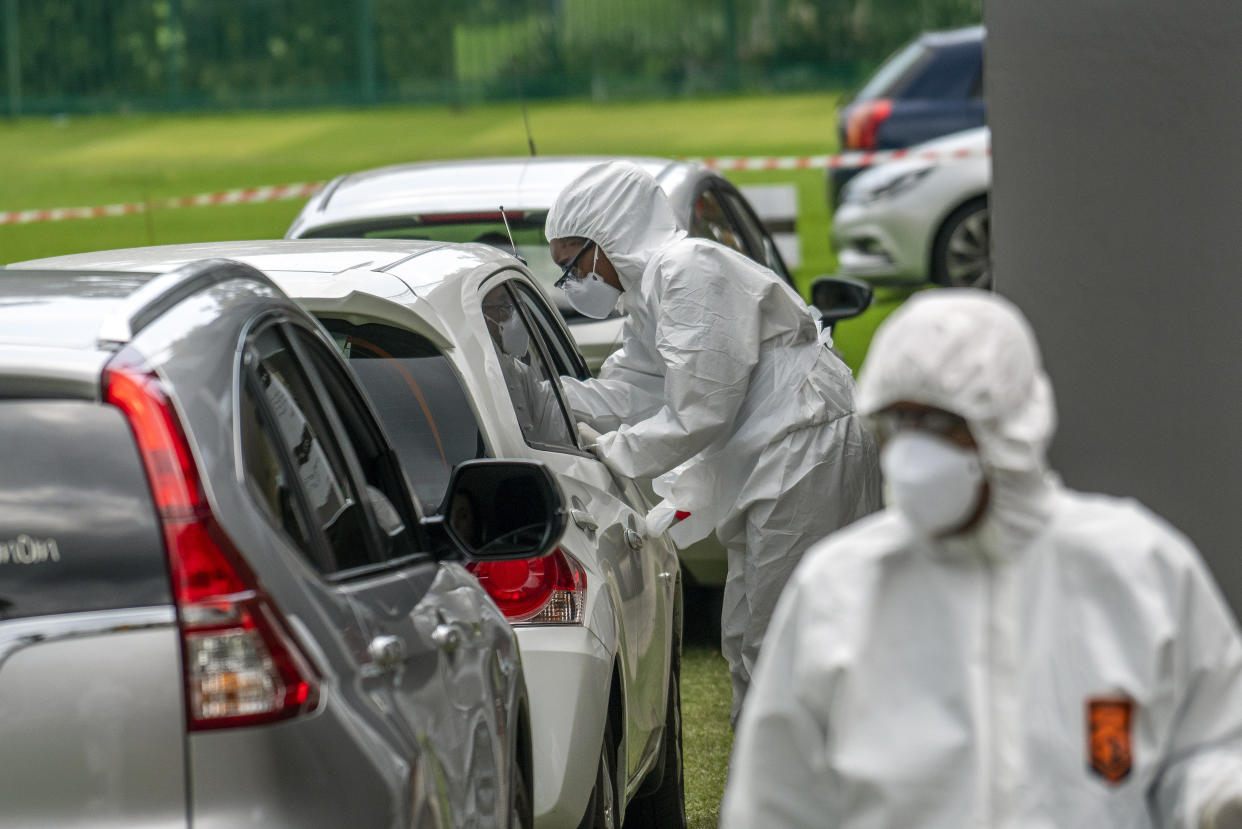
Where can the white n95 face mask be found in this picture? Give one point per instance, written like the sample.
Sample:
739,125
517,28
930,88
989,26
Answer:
934,483
514,338
591,296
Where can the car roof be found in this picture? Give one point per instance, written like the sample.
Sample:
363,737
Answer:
530,183
61,309
396,279
954,37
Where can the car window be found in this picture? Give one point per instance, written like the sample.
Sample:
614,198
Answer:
419,400
894,73
565,355
710,221
951,73
365,444
531,385
485,227
758,235
278,398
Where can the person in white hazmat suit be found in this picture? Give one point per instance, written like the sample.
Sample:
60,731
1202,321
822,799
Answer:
992,650
723,391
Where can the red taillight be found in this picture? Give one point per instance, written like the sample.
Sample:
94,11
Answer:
539,591
864,122
241,665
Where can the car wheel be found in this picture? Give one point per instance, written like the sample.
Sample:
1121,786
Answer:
962,252
665,806
604,808
521,800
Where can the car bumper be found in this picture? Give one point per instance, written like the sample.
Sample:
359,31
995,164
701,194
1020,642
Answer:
881,242
568,677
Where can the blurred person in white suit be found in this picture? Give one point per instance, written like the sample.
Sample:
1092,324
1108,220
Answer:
993,649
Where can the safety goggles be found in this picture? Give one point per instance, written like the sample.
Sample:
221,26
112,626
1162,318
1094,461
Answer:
890,421
571,267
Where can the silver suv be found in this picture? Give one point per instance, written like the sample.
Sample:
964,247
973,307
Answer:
219,604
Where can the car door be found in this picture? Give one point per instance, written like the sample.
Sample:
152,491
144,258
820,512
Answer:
405,626
642,569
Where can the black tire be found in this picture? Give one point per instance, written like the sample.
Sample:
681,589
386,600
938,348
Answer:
604,808
521,799
962,255
664,807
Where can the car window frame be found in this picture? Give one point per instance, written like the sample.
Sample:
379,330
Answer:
765,241
503,279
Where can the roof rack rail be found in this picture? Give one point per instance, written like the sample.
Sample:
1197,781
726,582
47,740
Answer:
163,292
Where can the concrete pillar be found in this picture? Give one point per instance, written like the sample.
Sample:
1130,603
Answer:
1117,227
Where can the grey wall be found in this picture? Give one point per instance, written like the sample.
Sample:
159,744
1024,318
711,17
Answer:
1117,226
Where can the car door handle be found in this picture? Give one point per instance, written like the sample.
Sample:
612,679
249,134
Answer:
584,520
446,637
634,539
387,653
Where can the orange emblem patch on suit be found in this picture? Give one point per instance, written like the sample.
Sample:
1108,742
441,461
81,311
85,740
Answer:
1109,746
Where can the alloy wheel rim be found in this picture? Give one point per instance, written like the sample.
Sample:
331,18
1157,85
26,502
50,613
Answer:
968,255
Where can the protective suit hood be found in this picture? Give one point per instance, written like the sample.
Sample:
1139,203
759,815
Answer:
620,207
972,353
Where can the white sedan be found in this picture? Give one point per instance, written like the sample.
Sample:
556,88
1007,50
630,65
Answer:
461,353
921,218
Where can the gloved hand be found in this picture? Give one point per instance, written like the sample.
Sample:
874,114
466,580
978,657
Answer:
1225,813
590,442
589,436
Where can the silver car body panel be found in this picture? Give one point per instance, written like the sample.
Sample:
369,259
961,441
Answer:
92,720
424,741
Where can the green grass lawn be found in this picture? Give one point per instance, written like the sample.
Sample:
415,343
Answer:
139,158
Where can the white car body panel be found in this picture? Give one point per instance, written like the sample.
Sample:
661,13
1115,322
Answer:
889,239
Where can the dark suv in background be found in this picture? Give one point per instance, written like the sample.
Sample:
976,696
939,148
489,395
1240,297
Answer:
219,603
930,87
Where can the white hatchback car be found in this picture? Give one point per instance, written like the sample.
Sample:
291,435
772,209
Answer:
461,354
923,217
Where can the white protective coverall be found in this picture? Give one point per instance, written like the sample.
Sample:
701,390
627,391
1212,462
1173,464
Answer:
949,684
722,375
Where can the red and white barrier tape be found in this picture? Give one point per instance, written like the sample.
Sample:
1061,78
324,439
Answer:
247,195
832,162
254,195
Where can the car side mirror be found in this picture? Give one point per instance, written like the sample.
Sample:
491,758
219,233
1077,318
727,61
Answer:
840,297
499,510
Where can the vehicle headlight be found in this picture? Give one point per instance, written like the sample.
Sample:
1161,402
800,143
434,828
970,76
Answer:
870,189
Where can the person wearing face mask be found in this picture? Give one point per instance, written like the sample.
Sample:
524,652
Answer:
993,649
534,401
723,391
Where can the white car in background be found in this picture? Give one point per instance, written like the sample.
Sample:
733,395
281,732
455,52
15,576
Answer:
461,201
921,218
599,620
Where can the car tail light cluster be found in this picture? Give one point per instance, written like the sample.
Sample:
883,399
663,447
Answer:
241,664
864,123
549,590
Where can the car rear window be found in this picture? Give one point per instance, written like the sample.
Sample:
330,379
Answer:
892,76
419,400
486,227
953,73
78,529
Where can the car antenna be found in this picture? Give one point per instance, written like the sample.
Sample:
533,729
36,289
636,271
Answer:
517,85
512,244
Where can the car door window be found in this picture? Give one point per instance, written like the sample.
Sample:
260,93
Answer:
364,447
710,221
294,467
419,400
565,355
757,235
531,383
